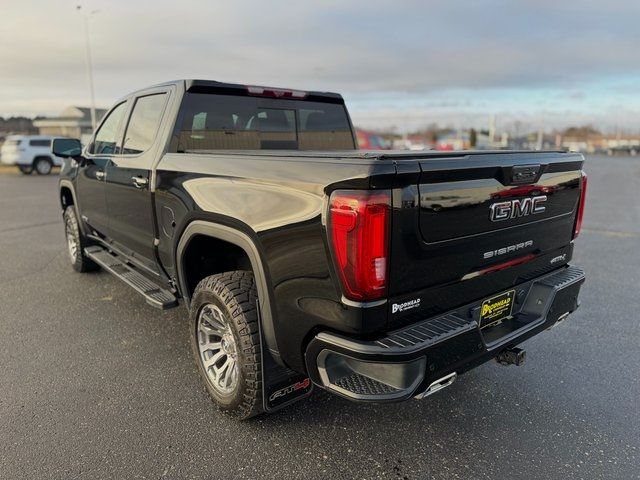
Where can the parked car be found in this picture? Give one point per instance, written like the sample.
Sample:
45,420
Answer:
371,141
303,261
30,153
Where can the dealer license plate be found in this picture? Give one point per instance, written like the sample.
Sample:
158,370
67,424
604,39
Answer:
495,309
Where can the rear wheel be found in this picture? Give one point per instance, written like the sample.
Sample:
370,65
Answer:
226,343
26,170
76,243
42,166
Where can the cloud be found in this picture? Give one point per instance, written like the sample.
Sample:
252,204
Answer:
363,48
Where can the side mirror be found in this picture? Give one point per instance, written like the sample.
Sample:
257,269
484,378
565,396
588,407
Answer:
66,147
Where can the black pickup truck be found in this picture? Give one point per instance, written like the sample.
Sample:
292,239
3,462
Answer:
378,276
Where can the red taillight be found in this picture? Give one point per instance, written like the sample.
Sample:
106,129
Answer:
359,235
583,198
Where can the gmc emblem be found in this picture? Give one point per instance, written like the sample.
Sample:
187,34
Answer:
517,208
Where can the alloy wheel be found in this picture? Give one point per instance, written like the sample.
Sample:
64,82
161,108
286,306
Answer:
218,349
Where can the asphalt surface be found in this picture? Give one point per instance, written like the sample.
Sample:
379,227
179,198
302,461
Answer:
94,383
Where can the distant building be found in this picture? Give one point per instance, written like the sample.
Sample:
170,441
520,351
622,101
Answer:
595,142
73,122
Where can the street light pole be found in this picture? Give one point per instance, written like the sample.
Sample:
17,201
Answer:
85,20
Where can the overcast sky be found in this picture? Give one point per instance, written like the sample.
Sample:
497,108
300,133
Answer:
403,63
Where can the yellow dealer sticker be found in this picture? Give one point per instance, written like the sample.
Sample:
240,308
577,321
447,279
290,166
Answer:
497,308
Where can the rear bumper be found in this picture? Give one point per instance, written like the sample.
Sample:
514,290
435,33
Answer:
407,362
12,158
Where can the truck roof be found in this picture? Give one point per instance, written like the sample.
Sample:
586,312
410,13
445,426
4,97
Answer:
214,86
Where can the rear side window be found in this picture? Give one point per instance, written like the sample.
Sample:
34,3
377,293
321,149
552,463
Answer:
106,140
143,123
229,122
40,143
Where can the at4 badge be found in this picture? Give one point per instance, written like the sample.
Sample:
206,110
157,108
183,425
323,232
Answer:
278,395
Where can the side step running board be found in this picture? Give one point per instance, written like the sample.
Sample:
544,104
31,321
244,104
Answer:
153,294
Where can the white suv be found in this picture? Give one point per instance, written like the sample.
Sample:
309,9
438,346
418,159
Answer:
29,153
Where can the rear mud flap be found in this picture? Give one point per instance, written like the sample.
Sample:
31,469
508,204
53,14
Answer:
282,386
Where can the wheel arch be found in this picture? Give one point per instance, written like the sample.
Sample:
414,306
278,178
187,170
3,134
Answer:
224,233
67,197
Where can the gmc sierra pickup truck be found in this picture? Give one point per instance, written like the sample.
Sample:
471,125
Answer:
302,261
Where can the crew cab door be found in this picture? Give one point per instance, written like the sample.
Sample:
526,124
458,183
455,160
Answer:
90,185
128,181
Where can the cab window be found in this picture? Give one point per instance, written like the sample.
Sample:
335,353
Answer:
229,122
143,124
106,139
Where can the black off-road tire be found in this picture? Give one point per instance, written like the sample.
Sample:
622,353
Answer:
27,170
79,261
235,294
42,165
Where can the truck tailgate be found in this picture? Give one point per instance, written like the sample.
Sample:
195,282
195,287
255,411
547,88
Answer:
465,220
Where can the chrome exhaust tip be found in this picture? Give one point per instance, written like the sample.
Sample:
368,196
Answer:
438,385
560,319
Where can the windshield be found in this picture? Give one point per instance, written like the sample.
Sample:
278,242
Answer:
223,122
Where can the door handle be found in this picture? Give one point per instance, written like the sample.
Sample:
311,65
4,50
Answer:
140,182
99,174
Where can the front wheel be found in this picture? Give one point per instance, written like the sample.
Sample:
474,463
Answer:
226,343
76,243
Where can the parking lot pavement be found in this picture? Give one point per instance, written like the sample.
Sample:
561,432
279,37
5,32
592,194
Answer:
94,383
